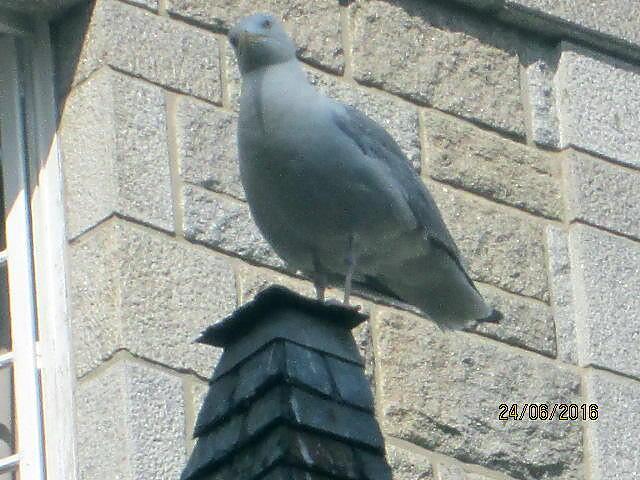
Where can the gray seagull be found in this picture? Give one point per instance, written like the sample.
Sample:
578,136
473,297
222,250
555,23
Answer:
332,192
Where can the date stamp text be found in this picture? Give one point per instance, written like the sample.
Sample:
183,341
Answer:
544,411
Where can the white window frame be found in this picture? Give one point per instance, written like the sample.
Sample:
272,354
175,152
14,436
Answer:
44,378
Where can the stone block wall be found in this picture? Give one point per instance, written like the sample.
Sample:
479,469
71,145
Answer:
522,119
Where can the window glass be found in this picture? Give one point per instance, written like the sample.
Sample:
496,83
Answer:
7,440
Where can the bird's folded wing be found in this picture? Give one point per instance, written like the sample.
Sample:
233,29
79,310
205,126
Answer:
378,146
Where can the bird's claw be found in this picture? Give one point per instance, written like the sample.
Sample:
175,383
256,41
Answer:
332,302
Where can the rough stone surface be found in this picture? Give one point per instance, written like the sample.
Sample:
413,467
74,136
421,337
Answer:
441,57
477,476
101,427
613,439
362,336
493,242
599,101
156,48
616,18
234,79
163,292
508,172
408,465
151,4
449,402
450,471
170,292
398,117
455,471
540,65
115,153
197,392
207,147
226,225
526,323
561,293
141,163
606,280
87,142
253,280
315,26
136,407
600,193
93,297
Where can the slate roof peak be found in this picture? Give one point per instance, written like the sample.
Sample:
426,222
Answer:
288,398
270,300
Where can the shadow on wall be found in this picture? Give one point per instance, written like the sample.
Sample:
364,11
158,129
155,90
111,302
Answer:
407,14
68,34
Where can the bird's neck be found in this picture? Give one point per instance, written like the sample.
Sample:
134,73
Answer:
291,71
272,90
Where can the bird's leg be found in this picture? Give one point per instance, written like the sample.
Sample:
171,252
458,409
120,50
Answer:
320,279
320,283
351,266
347,283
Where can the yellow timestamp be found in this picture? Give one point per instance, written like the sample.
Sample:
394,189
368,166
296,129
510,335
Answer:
545,411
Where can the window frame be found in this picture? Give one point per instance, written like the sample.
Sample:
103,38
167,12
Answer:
44,378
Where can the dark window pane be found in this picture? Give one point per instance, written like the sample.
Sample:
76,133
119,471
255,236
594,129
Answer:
5,324
7,439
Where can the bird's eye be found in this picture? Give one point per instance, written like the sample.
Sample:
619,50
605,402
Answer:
234,40
266,23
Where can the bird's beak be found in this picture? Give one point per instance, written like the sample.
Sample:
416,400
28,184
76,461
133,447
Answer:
245,39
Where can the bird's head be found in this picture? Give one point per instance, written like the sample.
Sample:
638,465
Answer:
260,40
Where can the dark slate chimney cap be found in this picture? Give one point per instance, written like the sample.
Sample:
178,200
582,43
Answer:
270,300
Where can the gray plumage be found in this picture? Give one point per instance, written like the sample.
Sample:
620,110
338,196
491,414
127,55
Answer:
332,192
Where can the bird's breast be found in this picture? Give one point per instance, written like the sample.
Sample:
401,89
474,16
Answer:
303,180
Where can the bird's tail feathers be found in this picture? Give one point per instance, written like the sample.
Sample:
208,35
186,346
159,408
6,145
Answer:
495,317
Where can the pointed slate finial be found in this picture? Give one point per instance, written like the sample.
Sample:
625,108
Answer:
289,398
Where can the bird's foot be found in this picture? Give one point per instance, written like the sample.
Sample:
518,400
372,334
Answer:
332,302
